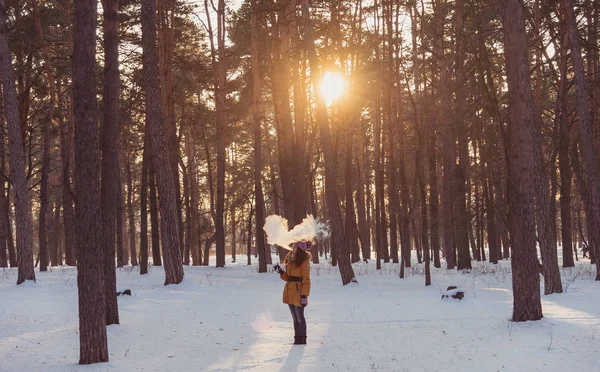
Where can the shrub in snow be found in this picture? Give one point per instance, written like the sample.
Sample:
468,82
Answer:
454,292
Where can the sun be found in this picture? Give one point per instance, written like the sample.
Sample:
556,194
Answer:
333,86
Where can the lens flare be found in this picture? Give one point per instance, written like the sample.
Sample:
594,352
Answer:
333,86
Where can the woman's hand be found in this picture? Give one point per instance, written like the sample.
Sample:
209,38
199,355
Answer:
278,269
304,301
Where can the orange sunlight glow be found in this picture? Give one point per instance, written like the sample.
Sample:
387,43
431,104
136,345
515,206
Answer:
332,87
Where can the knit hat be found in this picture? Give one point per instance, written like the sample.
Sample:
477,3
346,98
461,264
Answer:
305,245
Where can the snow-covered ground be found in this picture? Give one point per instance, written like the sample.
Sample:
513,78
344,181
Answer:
233,319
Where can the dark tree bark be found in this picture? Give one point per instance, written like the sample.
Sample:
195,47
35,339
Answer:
282,99
154,225
338,238
221,133
364,233
521,165
404,214
350,217
379,229
44,201
131,216
589,153
564,161
461,170
54,243
424,239
392,185
160,159
261,246
66,134
12,254
434,204
195,242
110,151
188,212
122,253
4,225
166,31
144,210
16,156
90,271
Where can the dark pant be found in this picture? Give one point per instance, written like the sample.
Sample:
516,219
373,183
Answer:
299,321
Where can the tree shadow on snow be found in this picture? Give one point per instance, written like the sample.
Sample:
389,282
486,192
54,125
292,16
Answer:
294,358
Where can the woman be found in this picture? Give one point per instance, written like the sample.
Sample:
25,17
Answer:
297,286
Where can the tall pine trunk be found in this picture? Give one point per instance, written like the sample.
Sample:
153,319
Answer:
110,151
256,117
131,216
144,209
16,156
65,136
154,224
338,236
160,158
90,270
564,161
521,165
221,134
44,200
589,153
4,225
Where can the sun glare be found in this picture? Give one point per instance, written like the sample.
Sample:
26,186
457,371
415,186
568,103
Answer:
332,87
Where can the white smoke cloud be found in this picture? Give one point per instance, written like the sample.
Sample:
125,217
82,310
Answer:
277,231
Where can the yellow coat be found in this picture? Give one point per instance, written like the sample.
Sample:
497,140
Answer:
293,290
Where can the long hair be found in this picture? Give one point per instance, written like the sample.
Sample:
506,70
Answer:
301,257
298,258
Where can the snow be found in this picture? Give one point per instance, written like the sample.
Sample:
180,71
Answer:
233,319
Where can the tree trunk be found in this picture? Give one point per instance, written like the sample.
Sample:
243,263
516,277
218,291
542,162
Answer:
164,175
195,243
55,258
461,170
281,96
392,179
350,217
154,224
110,150
588,152
221,133
44,202
564,161
166,45
131,216
261,245
188,214
233,234
434,198
4,223
144,209
521,165
404,214
338,237
121,248
249,240
90,271
17,157
361,204
65,137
